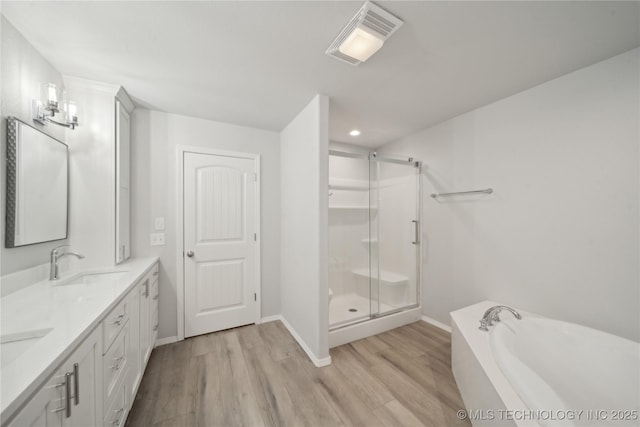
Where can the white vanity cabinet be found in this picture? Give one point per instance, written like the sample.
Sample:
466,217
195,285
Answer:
73,396
153,307
148,314
116,361
145,331
96,384
135,370
45,409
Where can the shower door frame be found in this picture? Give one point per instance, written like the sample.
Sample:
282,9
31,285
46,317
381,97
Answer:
373,158
410,162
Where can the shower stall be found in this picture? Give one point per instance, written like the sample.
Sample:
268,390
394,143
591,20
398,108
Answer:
374,237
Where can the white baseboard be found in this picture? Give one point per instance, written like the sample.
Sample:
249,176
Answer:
273,318
316,361
436,323
167,340
325,361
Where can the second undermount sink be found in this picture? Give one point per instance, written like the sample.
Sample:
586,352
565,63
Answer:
14,345
94,278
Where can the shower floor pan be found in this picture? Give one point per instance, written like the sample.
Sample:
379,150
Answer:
341,309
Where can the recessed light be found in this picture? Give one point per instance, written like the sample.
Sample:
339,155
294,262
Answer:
354,132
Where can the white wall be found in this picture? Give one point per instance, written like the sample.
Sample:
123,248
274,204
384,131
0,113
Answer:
560,235
304,181
155,136
22,68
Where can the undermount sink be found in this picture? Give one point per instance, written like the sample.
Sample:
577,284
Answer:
93,278
14,345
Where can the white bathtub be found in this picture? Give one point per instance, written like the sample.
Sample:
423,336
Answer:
543,372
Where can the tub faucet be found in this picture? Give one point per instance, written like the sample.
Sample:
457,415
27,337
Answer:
55,256
491,315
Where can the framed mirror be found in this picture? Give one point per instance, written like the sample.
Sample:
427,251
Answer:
37,186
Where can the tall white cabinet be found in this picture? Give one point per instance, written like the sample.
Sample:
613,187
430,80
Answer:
124,107
99,166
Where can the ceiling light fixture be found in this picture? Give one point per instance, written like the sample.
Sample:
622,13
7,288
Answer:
354,132
44,112
364,35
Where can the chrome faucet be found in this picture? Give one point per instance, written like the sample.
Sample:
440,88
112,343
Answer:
491,315
55,256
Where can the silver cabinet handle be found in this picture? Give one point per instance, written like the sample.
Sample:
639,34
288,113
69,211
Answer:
118,419
190,254
415,240
76,383
67,393
118,320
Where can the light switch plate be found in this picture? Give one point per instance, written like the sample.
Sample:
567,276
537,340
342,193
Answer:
159,223
157,239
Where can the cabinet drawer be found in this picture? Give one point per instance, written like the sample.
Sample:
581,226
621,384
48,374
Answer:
113,323
154,324
115,413
115,362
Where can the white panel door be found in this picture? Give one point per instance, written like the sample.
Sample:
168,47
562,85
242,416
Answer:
219,243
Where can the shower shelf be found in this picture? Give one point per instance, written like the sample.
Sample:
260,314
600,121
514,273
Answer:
385,276
347,187
346,208
348,184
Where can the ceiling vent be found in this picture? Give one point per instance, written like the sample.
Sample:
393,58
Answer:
364,34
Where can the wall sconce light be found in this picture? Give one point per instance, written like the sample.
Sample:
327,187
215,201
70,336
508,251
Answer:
44,112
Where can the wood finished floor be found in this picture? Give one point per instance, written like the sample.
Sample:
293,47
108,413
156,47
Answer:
258,376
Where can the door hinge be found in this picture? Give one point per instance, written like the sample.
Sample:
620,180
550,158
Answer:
255,237
255,297
255,177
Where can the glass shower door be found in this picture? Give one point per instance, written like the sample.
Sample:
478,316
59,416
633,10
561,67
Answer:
349,281
394,235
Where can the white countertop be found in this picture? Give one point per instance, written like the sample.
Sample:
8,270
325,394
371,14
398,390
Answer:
71,311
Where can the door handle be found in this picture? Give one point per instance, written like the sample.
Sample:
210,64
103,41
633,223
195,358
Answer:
415,240
190,254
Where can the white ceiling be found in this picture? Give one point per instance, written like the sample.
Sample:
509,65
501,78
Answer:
259,63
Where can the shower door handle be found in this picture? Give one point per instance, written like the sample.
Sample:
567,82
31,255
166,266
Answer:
415,240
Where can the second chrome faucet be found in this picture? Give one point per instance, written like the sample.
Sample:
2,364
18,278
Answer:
56,254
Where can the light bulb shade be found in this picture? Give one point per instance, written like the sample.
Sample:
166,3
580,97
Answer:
52,93
360,44
72,110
